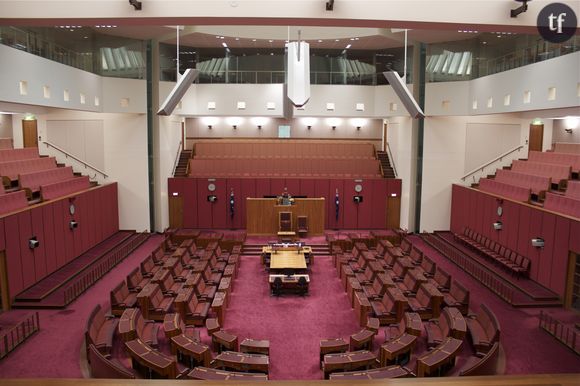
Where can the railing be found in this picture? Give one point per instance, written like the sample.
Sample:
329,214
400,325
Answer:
177,156
69,155
94,273
391,159
486,277
11,338
492,162
565,334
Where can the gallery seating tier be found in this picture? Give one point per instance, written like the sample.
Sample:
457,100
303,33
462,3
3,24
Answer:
573,189
33,181
562,204
558,158
65,187
7,155
567,147
13,201
557,173
314,168
283,149
6,143
502,189
537,184
11,169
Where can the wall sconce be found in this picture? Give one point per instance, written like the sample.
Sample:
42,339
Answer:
73,224
209,127
259,127
569,131
497,225
358,127
136,4
333,127
538,242
309,127
33,242
235,126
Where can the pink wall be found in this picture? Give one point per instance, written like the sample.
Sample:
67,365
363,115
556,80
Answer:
199,213
521,223
98,218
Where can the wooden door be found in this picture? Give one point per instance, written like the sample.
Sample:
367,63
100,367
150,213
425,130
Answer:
29,133
175,212
536,137
393,212
572,282
384,137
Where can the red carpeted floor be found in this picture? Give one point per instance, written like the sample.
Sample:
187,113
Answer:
294,325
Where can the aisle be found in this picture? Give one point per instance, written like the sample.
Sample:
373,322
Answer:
293,324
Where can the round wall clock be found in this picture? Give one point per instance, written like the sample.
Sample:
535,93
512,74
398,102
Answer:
71,209
499,211
211,187
358,188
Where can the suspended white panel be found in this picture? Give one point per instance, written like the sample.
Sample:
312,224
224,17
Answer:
465,58
118,59
109,58
440,62
125,56
468,72
448,58
454,63
298,72
431,63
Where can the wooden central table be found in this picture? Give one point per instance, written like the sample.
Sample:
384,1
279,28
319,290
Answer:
287,259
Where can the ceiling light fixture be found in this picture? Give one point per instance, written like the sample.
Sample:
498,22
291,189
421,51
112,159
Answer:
330,5
138,5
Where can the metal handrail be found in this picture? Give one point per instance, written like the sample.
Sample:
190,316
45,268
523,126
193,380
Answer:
67,154
391,159
498,158
177,157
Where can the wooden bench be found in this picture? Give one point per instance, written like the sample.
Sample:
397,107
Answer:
239,361
394,371
209,374
62,188
132,325
450,323
121,298
332,346
153,303
103,366
153,362
458,297
348,361
439,360
484,329
10,202
100,330
427,301
391,306
135,280
190,351
192,309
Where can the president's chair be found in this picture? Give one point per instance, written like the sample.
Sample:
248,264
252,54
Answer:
302,225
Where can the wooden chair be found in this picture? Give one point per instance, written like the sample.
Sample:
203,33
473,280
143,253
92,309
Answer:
285,221
302,225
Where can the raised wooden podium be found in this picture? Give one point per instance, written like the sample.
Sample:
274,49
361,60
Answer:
262,215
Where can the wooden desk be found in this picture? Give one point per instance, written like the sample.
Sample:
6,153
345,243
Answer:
262,215
287,259
172,325
154,361
184,346
253,346
224,340
395,371
208,374
413,323
347,361
392,351
242,361
212,326
362,340
127,328
457,324
439,359
332,346
218,306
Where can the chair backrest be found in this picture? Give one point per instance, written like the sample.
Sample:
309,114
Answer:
459,292
94,323
285,221
119,293
302,222
102,367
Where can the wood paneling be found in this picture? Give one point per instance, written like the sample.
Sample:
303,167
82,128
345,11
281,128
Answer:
393,212
262,215
175,212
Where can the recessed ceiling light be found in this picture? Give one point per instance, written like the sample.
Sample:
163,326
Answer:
336,40
270,41
319,41
253,40
237,38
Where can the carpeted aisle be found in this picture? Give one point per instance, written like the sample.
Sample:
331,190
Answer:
293,324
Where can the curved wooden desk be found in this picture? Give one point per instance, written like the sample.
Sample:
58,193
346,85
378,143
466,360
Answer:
439,359
208,374
152,360
347,361
242,361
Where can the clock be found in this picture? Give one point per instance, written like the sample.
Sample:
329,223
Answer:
211,187
71,209
358,188
499,211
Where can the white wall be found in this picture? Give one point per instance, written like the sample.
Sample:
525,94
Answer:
124,147
560,134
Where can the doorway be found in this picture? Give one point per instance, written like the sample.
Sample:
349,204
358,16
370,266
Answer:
393,212
536,137
4,289
29,133
572,294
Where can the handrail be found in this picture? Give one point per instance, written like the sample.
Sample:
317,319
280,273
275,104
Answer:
177,157
67,154
498,158
391,159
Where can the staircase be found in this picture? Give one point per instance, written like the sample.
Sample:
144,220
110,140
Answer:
181,169
386,164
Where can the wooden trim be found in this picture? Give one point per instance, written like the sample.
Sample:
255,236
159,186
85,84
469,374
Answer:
283,139
572,257
4,288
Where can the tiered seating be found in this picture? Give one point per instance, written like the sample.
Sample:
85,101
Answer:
62,188
192,309
562,204
427,302
557,173
503,189
100,330
122,298
537,184
449,324
567,147
11,169
272,149
458,297
103,366
32,181
484,329
573,190
136,281
153,303
558,158
18,154
132,325
339,168
10,202
510,260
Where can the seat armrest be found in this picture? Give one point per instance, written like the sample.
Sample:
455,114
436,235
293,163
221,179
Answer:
109,316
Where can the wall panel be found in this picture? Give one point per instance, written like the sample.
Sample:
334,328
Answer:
49,239
40,265
219,209
333,187
351,210
62,211
307,188
26,255
533,253
13,260
378,207
510,220
60,234
546,255
277,186
204,207
559,268
190,210
293,185
248,186
263,187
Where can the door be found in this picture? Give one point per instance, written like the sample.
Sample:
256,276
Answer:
393,212
175,212
536,137
572,295
4,289
384,137
29,133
